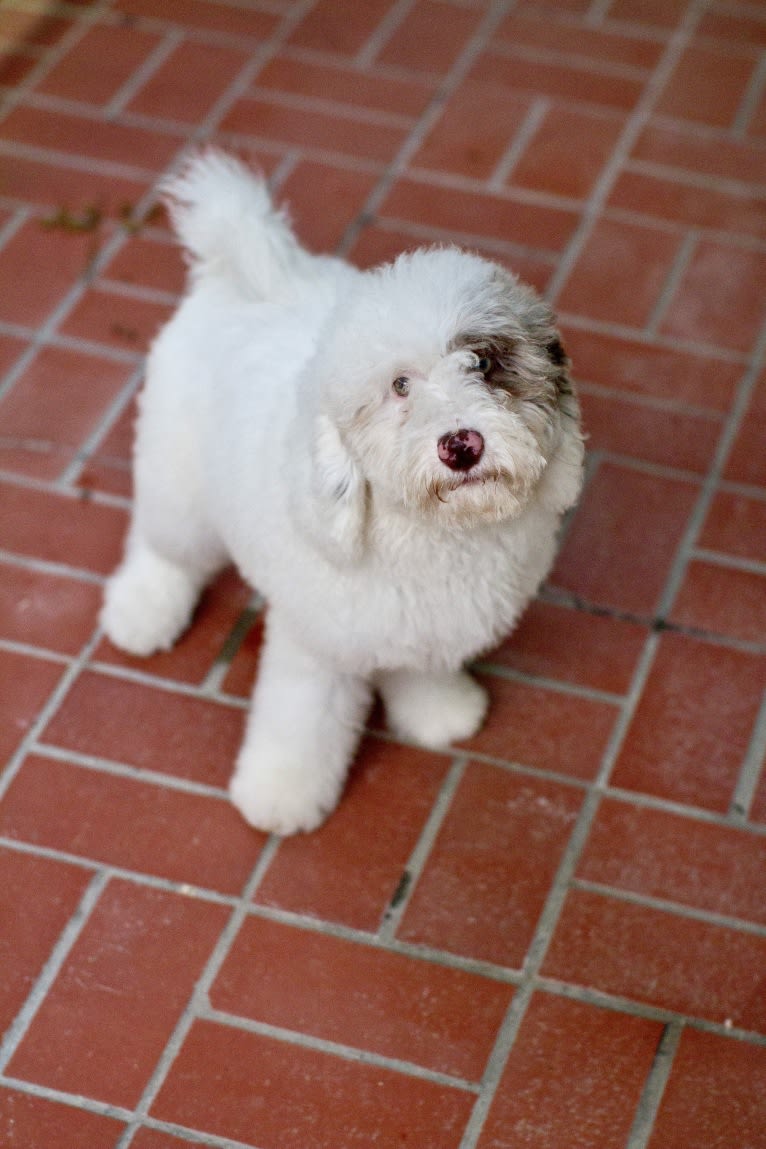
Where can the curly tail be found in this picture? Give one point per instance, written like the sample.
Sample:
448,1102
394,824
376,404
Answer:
223,215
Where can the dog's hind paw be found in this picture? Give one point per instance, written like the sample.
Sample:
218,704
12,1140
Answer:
434,710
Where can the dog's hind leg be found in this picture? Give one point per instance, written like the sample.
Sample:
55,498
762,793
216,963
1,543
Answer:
430,708
302,732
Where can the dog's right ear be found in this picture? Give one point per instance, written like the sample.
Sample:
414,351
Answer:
334,500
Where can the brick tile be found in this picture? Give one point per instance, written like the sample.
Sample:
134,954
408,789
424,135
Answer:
151,729
659,13
735,525
693,724
144,262
47,610
37,268
747,461
375,91
194,654
109,467
343,194
58,529
37,899
488,874
567,152
44,182
186,86
559,80
99,139
670,438
33,28
644,369
116,320
29,1122
28,682
553,7
479,214
430,38
11,347
680,146
725,601
290,1096
596,44
706,86
208,17
676,963
663,855
572,646
115,1003
715,1087
154,1139
342,26
472,143
544,728
313,128
653,195
381,815
718,273
362,996
739,28
598,285
574,1078
605,558
132,824
97,66
54,405
14,67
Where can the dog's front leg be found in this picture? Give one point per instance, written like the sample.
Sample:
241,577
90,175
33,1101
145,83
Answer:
432,708
304,725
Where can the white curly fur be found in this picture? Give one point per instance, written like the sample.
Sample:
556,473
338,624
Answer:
270,435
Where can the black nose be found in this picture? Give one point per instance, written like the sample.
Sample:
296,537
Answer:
461,450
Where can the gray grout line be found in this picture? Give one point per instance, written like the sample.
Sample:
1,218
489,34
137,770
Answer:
635,123
338,1049
667,905
675,275
751,769
46,713
51,969
709,486
663,342
41,566
394,17
153,62
750,100
147,777
414,866
518,145
729,562
198,1003
89,446
649,1103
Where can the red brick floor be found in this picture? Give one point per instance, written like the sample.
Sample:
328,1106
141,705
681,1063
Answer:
554,937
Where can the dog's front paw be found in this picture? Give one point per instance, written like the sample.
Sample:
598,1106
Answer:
281,798
435,710
147,604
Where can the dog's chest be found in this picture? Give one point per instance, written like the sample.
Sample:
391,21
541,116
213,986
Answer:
434,606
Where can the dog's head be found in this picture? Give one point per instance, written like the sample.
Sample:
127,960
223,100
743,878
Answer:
443,392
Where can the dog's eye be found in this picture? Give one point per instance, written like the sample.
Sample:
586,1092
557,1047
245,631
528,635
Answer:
485,364
401,385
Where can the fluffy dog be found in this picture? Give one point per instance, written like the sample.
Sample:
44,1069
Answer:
385,455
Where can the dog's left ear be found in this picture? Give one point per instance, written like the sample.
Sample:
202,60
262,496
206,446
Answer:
336,500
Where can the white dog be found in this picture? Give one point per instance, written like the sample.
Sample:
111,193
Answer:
385,455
